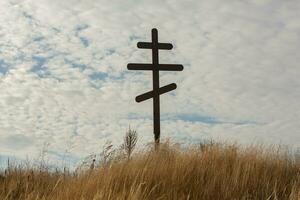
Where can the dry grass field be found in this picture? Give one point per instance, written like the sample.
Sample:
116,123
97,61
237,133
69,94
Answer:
208,171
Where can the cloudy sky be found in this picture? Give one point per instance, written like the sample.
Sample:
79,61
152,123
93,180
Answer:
64,81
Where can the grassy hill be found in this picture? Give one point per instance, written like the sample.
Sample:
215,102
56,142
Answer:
206,171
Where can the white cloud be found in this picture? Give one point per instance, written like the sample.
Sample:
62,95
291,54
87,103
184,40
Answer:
66,80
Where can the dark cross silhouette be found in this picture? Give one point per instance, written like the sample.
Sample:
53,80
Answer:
155,67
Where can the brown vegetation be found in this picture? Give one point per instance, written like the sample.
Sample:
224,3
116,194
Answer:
208,171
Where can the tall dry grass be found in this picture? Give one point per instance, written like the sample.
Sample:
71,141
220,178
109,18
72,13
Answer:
208,171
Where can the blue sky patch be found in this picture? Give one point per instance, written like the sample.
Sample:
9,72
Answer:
66,157
27,16
81,27
75,64
3,67
84,41
38,38
133,116
98,76
39,67
192,117
110,51
134,37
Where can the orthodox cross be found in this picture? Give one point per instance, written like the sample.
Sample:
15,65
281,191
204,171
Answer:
155,67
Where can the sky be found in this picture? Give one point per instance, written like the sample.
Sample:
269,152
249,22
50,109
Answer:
64,83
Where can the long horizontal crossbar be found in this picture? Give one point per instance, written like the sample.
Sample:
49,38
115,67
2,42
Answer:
162,90
161,67
149,45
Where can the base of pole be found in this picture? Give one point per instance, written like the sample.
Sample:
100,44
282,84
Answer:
156,145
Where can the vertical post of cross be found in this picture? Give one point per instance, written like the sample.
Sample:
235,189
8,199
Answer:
155,77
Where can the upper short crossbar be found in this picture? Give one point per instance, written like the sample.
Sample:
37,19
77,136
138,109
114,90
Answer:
149,45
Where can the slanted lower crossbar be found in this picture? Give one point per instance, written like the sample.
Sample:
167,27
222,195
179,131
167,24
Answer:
162,90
